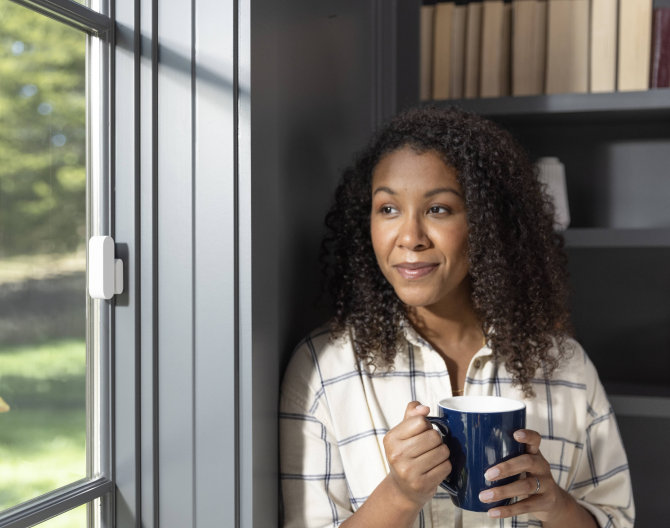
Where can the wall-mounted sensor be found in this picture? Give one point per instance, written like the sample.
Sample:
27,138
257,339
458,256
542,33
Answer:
105,273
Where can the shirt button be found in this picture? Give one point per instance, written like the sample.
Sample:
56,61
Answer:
477,364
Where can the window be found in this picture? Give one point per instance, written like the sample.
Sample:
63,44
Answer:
54,412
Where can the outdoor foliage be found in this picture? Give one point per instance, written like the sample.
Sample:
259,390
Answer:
43,436
42,133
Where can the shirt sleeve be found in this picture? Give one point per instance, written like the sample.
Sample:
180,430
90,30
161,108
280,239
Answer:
602,481
314,488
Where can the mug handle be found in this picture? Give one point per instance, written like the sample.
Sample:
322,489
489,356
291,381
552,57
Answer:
443,428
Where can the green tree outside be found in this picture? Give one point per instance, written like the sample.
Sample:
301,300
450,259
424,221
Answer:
42,134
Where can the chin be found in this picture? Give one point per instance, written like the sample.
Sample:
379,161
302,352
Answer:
416,299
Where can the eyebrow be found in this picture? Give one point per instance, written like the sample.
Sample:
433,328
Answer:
439,190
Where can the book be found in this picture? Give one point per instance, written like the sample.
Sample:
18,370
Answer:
490,74
540,47
660,48
473,38
602,75
506,51
567,46
529,25
442,49
634,45
426,52
458,30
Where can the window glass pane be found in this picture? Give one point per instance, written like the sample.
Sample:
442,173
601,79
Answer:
71,519
43,308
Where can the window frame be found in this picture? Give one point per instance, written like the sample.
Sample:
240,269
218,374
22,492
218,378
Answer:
96,488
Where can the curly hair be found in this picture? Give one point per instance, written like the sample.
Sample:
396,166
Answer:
517,266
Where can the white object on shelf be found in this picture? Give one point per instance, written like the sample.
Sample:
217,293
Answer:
105,273
551,172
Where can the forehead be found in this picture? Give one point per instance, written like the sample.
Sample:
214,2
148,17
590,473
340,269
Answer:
406,169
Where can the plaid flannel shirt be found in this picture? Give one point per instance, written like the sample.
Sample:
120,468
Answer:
333,418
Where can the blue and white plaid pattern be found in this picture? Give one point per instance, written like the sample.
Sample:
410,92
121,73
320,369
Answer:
333,418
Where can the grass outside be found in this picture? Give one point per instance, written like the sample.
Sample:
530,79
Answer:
43,436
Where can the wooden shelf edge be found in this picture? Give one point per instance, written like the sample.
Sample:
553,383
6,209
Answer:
640,406
654,103
616,238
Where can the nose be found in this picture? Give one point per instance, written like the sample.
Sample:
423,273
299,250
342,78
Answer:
412,234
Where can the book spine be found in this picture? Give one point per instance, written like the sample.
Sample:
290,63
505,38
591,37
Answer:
539,45
458,29
522,46
442,49
567,46
491,59
473,40
602,75
426,52
634,45
506,52
660,49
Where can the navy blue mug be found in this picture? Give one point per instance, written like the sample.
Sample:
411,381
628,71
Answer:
479,433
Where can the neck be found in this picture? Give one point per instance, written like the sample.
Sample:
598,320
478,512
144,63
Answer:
450,321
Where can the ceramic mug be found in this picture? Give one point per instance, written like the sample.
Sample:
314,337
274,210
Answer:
479,433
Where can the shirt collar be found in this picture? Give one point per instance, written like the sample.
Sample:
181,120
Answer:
413,337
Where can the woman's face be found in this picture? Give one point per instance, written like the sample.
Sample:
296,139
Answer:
419,227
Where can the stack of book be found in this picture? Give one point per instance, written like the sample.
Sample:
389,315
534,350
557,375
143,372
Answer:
494,48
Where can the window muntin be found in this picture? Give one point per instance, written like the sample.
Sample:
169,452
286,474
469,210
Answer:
43,304
75,518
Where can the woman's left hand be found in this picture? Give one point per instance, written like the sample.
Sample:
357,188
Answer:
546,504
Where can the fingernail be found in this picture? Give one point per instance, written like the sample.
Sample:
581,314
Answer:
494,513
422,408
519,435
492,473
485,495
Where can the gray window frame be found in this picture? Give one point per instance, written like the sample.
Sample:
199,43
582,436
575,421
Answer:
97,25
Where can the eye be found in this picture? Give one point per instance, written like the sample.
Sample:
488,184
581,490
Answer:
387,209
437,209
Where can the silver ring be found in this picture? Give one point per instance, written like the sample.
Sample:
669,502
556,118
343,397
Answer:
538,486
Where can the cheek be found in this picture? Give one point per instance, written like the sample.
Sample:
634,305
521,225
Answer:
454,245
382,244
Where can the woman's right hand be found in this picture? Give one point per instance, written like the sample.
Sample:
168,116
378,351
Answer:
417,457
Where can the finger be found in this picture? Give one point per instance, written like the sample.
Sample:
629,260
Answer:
439,472
535,464
431,459
412,426
529,437
422,443
416,408
536,503
526,486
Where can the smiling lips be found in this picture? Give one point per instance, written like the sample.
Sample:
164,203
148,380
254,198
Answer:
415,270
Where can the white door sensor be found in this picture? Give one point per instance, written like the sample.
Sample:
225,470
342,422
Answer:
105,273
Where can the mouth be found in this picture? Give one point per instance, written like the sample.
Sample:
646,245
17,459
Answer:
415,270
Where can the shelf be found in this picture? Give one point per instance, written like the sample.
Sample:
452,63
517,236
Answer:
640,406
616,238
639,400
654,104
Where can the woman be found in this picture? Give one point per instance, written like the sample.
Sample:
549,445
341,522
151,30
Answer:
448,279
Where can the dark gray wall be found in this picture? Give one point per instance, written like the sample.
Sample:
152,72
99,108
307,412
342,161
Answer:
326,113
